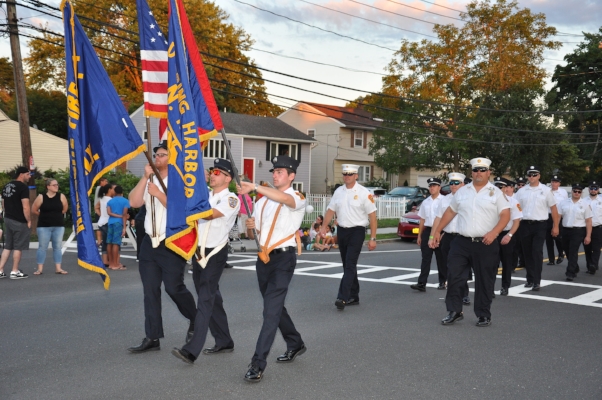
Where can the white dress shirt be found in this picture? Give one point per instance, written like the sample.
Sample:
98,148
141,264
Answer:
452,227
560,195
288,222
478,212
596,206
535,201
352,205
226,203
515,212
574,214
160,212
428,210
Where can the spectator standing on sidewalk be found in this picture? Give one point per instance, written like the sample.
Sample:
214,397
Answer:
17,220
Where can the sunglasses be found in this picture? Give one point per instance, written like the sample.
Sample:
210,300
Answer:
455,183
480,169
217,172
576,191
594,188
532,174
348,173
159,155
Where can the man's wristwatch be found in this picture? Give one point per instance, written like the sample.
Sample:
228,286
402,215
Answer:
509,234
373,239
256,186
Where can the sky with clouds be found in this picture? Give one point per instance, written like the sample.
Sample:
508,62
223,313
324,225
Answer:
359,63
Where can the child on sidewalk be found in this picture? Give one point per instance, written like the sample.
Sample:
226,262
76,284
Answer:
117,208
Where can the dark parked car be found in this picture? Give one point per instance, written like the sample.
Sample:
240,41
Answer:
445,190
414,195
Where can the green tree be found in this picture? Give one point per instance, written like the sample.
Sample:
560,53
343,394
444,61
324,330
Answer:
7,82
578,87
113,28
487,62
47,110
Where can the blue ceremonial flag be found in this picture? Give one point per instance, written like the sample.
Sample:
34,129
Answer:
101,134
188,197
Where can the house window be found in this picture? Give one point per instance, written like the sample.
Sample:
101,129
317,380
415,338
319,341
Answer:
311,133
298,186
215,149
363,174
358,139
283,149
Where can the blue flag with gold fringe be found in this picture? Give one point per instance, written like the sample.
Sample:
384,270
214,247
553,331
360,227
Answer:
100,133
188,197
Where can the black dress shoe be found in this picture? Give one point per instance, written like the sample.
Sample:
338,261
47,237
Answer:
569,279
466,301
483,321
529,284
552,263
183,355
504,292
559,259
254,374
290,355
340,303
353,302
146,345
452,317
421,287
218,349
229,266
441,286
536,287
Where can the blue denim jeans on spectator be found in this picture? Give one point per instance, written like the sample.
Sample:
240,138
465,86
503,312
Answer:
45,235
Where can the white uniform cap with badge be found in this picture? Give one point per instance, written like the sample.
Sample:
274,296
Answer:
350,168
480,162
456,176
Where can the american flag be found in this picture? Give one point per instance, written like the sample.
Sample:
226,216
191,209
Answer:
153,53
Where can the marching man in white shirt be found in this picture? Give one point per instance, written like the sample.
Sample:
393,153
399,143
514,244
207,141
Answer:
576,228
482,212
592,250
427,214
208,269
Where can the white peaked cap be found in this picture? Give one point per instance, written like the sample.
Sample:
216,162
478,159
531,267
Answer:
480,162
350,168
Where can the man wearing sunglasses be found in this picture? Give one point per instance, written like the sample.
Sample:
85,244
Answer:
576,227
560,195
427,214
592,250
508,237
157,263
208,269
536,200
520,183
456,181
482,212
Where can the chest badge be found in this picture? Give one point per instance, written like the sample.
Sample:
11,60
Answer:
355,197
491,192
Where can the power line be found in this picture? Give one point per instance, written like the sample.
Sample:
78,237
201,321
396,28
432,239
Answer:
426,11
391,12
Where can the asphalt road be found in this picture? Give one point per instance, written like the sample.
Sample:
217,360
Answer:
65,337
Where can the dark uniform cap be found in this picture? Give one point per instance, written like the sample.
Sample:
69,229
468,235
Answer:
577,186
433,181
223,164
520,180
533,168
555,178
20,170
594,184
162,145
498,180
467,181
284,162
509,182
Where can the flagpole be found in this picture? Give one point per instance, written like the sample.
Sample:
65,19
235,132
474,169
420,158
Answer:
237,180
148,157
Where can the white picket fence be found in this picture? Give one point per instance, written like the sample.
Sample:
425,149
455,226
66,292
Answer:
385,207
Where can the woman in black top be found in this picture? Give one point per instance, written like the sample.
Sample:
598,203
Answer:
50,208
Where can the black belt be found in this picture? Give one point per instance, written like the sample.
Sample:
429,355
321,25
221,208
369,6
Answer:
289,249
533,221
473,239
575,227
597,226
451,233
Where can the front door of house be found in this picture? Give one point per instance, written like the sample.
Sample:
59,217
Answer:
248,168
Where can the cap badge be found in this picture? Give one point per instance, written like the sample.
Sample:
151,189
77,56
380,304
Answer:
275,159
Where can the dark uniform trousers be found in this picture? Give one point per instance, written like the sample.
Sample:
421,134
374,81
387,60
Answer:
592,250
210,307
464,254
532,237
156,266
506,254
274,278
571,240
551,240
350,241
427,256
444,245
518,257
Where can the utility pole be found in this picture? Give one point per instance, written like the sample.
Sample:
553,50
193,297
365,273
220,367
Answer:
15,48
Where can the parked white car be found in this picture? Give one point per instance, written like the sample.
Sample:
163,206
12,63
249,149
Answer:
376,191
